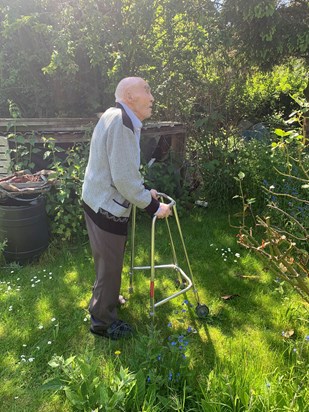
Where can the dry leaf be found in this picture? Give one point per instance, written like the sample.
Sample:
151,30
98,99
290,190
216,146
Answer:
228,297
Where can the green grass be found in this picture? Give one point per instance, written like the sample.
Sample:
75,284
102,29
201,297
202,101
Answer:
236,358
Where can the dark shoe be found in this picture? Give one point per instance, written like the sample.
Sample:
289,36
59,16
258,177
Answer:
117,330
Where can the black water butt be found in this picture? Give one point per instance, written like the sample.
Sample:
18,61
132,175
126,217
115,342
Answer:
24,225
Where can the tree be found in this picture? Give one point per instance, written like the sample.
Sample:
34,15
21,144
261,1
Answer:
267,33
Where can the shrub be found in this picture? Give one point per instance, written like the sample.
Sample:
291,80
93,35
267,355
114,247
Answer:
284,243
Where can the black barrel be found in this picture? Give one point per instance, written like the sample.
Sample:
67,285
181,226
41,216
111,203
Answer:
25,226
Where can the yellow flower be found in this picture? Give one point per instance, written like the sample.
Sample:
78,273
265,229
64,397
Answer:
117,352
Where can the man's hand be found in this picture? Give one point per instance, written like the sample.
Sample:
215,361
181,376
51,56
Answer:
163,211
154,194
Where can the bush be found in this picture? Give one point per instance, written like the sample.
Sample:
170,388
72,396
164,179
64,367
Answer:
222,157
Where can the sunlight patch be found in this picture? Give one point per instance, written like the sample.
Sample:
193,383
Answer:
70,277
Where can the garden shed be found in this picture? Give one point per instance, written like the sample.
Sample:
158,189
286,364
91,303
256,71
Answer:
158,139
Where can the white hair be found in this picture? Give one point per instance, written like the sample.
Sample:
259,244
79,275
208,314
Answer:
124,85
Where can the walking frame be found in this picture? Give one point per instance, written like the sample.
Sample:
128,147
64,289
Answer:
185,282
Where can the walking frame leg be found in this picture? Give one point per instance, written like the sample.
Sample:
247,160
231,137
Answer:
185,280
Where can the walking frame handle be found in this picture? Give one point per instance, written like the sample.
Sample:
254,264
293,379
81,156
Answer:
171,200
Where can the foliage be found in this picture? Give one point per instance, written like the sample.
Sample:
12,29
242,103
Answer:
268,32
172,179
64,59
218,158
285,238
87,386
86,389
64,200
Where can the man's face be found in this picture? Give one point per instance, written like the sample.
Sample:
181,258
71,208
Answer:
141,100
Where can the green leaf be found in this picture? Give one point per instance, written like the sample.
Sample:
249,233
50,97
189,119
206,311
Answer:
74,398
280,132
53,384
140,388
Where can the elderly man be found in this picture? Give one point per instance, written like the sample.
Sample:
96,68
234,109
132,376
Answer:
112,184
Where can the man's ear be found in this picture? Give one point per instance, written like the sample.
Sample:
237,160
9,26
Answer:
130,96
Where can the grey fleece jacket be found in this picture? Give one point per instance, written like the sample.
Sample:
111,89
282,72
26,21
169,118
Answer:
112,179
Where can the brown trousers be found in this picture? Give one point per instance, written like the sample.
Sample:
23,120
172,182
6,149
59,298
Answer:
108,253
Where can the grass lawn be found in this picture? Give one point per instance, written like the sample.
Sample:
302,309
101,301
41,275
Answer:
250,354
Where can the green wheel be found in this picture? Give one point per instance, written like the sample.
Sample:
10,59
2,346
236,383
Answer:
202,311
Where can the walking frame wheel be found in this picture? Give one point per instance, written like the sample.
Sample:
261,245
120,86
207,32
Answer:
202,311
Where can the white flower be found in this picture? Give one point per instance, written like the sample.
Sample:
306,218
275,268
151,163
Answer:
237,255
30,360
53,319
41,326
24,345
49,342
271,187
85,319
